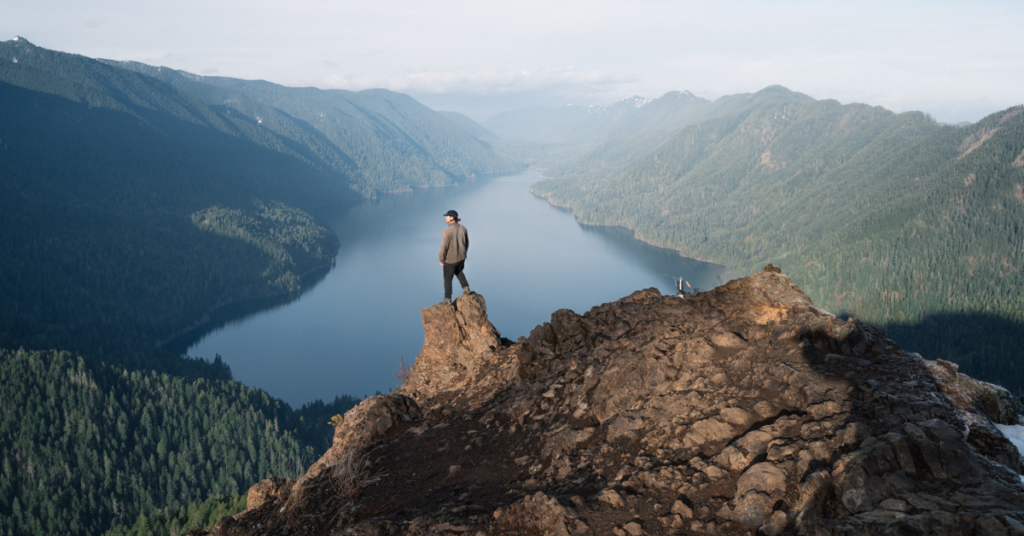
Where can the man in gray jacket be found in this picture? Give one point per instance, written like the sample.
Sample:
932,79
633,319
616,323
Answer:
454,244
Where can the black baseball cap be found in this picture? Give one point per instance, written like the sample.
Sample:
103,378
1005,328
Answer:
452,213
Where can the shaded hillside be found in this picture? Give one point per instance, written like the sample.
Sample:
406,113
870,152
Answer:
230,147
184,520
379,140
886,217
472,128
988,342
128,211
741,410
102,253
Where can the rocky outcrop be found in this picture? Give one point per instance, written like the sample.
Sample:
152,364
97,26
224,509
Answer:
270,490
457,345
742,410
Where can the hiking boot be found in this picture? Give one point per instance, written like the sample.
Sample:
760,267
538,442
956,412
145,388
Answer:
446,301
465,291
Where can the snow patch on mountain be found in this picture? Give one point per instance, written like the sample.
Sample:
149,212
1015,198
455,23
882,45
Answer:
635,101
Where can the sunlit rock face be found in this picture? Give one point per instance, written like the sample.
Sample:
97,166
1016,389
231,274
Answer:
741,410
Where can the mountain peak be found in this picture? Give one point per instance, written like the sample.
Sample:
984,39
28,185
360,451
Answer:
683,95
740,409
782,91
776,88
635,101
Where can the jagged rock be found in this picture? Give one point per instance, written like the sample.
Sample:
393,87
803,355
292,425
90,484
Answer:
763,477
776,524
538,514
745,408
633,528
269,489
611,498
364,423
681,509
457,342
972,395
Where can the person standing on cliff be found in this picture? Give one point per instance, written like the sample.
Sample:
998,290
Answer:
454,244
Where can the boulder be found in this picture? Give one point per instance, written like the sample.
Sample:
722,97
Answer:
458,340
268,490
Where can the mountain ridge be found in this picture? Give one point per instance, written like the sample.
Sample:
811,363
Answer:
352,125
809,184
740,409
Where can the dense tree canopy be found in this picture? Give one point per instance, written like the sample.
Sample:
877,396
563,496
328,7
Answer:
82,446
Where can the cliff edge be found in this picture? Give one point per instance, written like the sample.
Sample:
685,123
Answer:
741,410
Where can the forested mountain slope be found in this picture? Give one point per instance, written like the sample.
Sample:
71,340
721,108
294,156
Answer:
128,210
108,241
891,218
82,446
383,141
472,128
233,147
591,141
624,143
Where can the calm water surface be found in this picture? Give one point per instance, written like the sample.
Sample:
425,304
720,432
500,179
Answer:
528,259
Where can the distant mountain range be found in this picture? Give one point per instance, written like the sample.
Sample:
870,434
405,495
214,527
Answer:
892,218
576,125
473,128
380,140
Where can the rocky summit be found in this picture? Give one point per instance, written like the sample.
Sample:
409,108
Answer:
741,410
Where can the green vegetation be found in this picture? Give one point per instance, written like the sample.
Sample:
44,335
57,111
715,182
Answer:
101,254
186,520
381,140
130,209
135,201
891,218
591,142
82,446
282,233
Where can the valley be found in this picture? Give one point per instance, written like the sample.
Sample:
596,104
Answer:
138,202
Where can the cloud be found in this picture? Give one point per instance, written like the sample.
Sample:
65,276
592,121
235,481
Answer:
485,82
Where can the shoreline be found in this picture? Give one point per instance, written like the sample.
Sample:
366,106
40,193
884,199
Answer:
547,197
205,319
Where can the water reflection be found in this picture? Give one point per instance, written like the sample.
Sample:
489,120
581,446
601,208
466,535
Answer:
237,313
526,258
665,262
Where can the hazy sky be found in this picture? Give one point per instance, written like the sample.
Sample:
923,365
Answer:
958,61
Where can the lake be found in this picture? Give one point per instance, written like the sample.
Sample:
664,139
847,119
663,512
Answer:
348,332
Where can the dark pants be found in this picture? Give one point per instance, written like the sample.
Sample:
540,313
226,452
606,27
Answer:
452,270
